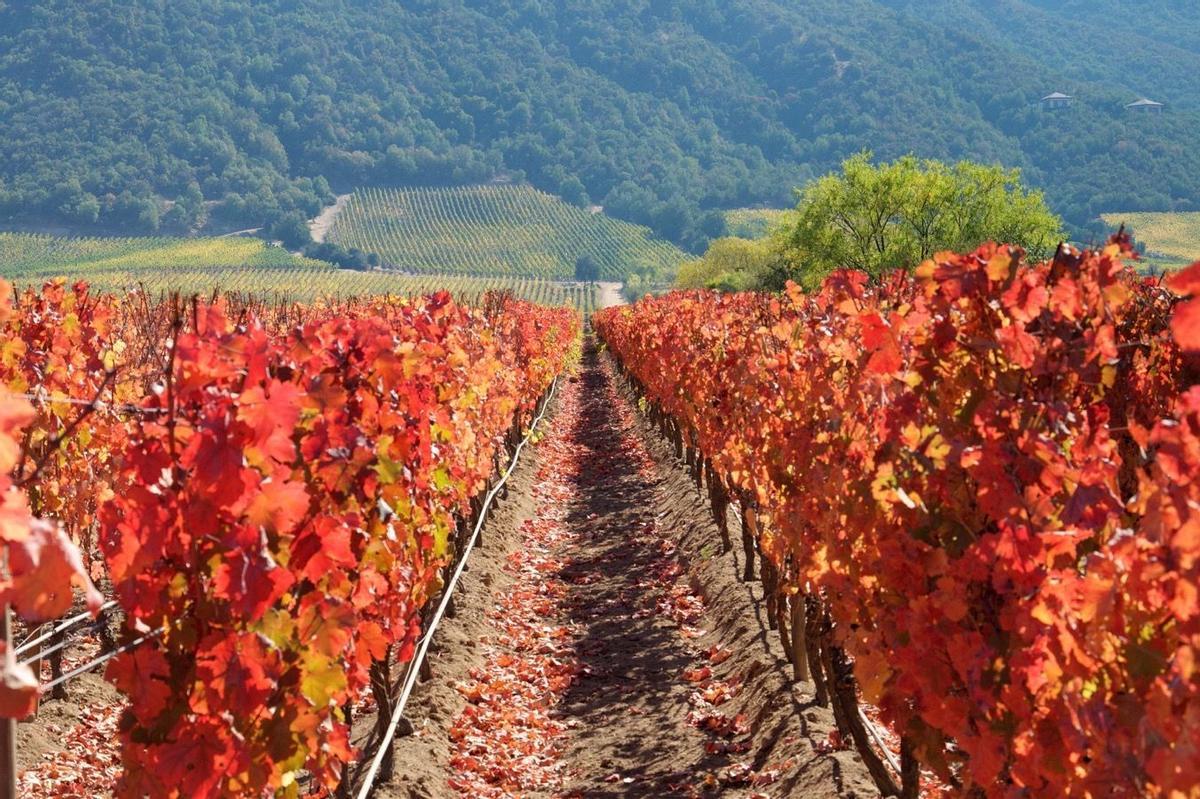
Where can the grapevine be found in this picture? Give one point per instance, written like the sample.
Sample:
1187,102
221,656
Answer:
285,486
974,487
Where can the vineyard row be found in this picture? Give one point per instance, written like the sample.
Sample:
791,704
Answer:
973,495
274,493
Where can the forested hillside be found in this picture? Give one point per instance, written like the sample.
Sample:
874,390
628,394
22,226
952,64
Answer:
147,114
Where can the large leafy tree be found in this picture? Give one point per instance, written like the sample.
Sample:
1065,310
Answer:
880,217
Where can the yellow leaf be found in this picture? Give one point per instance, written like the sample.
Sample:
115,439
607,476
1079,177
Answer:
938,450
323,679
911,436
999,267
1116,295
873,671
277,626
1043,614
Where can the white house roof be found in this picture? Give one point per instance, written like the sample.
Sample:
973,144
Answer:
1144,103
1057,96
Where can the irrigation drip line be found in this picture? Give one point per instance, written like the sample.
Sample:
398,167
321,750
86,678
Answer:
63,625
86,667
41,653
414,666
887,753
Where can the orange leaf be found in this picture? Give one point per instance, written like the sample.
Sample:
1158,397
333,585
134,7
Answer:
1185,325
1185,281
44,567
719,654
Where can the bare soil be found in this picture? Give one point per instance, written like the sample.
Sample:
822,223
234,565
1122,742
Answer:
43,736
320,226
651,599
610,294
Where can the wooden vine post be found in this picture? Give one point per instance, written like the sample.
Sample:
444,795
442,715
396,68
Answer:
910,770
800,671
8,727
812,640
749,536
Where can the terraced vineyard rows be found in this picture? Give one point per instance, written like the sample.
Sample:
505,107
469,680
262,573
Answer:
33,257
494,230
245,266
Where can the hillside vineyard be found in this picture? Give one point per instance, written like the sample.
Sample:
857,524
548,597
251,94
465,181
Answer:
494,230
250,268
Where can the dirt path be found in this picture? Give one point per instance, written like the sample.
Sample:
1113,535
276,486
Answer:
617,654
610,294
641,665
320,226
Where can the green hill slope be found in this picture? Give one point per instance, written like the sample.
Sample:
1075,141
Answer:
661,111
32,257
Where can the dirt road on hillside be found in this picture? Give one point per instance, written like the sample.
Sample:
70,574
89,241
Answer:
319,227
610,294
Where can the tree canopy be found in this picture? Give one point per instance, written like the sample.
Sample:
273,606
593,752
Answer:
731,264
144,114
587,269
881,217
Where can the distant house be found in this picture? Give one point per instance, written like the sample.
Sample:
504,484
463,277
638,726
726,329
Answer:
1057,100
1144,106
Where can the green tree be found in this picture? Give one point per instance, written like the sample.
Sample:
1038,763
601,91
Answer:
730,264
572,190
587,269
86,209
876,218
291,229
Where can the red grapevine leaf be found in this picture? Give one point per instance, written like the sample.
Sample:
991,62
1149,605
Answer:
251,582
143,675
1186,281
279,506
1185,325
